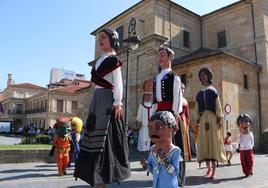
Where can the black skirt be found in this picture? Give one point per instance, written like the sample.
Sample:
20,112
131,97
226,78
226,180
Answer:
108,158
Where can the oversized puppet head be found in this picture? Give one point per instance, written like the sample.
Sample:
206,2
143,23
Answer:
76,124
205,75
244,122
162,126
61,121
63,130
113,37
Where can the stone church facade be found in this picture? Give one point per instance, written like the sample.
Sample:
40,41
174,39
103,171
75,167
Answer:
232,41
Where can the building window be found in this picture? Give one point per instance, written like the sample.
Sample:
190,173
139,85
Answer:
74,106
245,81
183,79
18,108
221,39
186,39
59,105
120,31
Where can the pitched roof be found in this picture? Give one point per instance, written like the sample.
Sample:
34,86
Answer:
198,54
83,89
71,89
28,86
205,53
132,7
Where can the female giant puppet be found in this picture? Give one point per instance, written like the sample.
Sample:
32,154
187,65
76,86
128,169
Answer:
103,154
209,114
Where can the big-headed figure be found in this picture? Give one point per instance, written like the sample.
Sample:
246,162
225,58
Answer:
103,157
167,96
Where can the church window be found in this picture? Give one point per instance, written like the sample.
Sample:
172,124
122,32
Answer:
221,39
186,39
245,81
120,31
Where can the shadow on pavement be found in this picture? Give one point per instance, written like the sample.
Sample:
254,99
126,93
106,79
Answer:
46,165
25,170
138,170
28,176
125,184
221,165
199,180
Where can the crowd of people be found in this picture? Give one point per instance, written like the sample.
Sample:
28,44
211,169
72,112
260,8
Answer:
163,123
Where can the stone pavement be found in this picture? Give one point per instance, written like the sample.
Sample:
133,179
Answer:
44,175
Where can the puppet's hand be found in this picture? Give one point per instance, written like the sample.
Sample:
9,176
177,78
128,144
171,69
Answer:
161,153
118,111
143,162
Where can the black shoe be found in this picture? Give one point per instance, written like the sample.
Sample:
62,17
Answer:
246,176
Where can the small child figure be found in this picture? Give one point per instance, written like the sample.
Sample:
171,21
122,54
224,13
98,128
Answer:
228,147
62,145
164,158
245,144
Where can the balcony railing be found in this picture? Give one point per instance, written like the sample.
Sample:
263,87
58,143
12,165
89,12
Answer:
38,110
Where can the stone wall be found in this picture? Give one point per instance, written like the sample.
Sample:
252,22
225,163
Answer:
228,74
25,156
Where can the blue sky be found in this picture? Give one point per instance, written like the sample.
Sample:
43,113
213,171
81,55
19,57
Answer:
37,35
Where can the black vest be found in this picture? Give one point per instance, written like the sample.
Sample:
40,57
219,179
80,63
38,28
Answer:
206,100
166,88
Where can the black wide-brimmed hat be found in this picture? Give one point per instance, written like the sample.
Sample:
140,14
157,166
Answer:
208,72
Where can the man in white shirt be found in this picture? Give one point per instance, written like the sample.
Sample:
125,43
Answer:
167,96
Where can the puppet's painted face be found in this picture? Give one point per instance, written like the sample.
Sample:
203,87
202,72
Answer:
76,125
147,97
159,132
163,59
244,126
63,131
104,42
203,77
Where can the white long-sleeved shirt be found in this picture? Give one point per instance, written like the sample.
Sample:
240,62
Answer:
177,93
115,78
246,141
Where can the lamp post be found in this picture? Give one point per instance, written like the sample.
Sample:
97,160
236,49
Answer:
133,43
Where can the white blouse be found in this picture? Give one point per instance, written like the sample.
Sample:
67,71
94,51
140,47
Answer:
246,141
115,78
177,93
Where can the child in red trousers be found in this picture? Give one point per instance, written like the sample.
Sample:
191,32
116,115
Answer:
245,144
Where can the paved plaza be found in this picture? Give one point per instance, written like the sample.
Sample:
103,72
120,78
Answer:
44,175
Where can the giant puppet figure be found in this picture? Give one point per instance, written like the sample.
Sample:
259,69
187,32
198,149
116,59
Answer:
62,144
184,126
76,126
167,96
145,111
210,147
103,156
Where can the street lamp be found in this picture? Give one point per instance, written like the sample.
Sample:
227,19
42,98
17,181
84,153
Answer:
133,43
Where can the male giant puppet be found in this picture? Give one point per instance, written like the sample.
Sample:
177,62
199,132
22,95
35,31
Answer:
167,96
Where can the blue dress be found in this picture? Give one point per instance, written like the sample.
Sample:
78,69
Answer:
165,177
